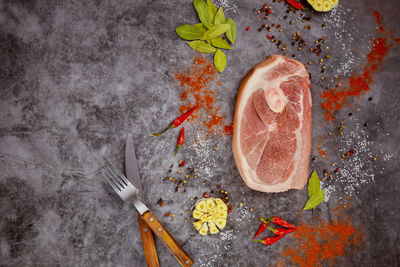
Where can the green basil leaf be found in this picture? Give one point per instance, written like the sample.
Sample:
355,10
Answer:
220,60
313,184
215,31
231,32
219,17
189,32
212,8
315,200
202,47
203,12
219,42
201,28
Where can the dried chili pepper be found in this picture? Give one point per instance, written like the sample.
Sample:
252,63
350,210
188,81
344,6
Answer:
280,221
178,121
281,231
182,164
269,240
263,226
295,4
181,139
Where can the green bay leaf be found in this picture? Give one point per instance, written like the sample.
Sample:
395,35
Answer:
201,28
231,32
189,32
219,17
215,31
212,8
219,42
313,184
315,200
202,46
203,12
220,60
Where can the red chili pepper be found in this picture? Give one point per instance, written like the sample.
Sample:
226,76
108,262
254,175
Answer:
295,4
269,240
181,139
178,121
263,226
281,231
280,221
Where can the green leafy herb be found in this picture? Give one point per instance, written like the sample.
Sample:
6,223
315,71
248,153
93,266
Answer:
219,17
215,31
313,184
204,12
315,194
231,32
219,42
189,32
201,28
206,37
202,47
212,8
315,200
220,60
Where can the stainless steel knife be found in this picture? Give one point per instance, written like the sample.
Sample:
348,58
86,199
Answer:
132,173
134,192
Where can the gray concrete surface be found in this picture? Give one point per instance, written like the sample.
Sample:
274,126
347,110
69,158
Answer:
77,76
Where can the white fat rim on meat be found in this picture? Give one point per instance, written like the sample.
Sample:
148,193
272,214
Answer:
251,86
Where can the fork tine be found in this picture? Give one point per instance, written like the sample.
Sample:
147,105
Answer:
118,174
110,181
113,177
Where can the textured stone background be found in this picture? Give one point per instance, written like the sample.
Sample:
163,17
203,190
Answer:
77,76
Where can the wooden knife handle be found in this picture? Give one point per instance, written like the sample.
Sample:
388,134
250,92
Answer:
149,246
181,256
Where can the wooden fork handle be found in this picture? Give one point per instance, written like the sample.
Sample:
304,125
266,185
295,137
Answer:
181,256
149,246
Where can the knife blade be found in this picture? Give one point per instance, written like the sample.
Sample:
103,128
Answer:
132,170
132,173
148,218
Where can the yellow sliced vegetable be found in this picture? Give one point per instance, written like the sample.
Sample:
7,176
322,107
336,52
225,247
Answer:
201,206
210,204
323,5
197,214
212,214
220,222
198,225
213,228
203,229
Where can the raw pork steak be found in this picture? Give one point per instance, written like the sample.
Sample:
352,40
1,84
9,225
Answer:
272,126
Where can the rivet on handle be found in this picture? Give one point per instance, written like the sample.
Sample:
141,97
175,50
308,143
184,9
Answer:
187,261
145,230
151,219
159,229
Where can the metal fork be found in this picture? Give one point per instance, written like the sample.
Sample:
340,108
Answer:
128,192
123,187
